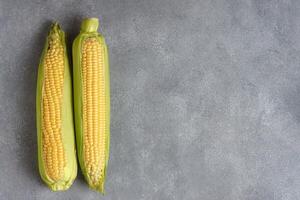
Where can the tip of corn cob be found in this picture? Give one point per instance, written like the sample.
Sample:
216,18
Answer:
55,28
89,25
60,186
99,187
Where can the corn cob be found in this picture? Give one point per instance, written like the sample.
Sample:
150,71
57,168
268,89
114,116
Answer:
92,103
55,127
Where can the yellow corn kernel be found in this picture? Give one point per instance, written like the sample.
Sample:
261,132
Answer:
52,145
94,116
54,114
92,103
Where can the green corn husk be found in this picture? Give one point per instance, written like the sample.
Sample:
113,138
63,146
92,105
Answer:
89,31
66,124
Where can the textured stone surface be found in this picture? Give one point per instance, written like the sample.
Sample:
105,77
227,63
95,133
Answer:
205,98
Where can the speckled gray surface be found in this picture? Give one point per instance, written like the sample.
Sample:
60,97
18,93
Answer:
205,98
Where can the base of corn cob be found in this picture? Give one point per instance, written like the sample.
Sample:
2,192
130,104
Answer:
55,127
92,103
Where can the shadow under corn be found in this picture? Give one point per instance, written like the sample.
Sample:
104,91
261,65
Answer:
71,26
27,136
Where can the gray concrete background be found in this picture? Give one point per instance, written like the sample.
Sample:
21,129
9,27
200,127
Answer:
205,98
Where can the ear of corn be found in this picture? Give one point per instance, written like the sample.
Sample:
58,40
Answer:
92,103
55,127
